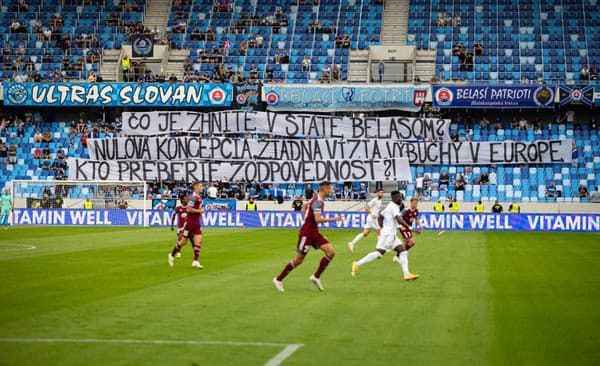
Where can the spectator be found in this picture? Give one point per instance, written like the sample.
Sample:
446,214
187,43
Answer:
444,179
3,154
484,179
478,49
37,137
260,41
551,190
523,125
456,21
335,72
497,208
583,192
326,74
569,116
524,80
595,196
484,123
12,154
493,178
46,137
593,72
362,192
346,193
458,48
297,204
306,64
381,70
419,184
440,21
574,154
426,182
212,192
460,182
46,154
345,41
584,74
243,48
308,192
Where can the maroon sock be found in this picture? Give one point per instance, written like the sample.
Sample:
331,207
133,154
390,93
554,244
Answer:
175,250
196,253
322,266
286,270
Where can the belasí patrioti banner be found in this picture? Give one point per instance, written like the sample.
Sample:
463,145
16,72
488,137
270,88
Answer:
262,171
285,125
240,149
493,96
290,219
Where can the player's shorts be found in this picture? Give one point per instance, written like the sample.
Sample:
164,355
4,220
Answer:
315,241
188,230
388,241
371,223
5,212
406,233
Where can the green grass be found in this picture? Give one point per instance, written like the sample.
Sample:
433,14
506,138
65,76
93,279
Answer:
483,299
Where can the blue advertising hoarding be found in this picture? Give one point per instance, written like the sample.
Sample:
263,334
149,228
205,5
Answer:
493,96
331,98
291,219
118,94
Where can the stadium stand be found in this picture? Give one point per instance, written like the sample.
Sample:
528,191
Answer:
531,39
521,40
263,33
52,40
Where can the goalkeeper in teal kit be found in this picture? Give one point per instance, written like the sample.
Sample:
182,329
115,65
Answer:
6,206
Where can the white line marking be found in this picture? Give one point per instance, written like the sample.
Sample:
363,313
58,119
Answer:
10,247
277,360
441,232
283,355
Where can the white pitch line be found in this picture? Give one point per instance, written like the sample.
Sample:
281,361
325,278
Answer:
441,232
283,355
277,360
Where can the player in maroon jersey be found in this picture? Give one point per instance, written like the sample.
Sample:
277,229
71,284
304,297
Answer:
191,227
181,213
311,237
409,216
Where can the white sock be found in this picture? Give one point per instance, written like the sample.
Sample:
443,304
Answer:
404,262
357,238
369,258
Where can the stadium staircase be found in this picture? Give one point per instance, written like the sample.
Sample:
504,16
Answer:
109,68
358,66
395,23
157,14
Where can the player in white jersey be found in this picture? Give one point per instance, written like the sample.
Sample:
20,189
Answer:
389,219
373,208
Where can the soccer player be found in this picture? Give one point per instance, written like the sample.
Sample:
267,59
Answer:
191,228
6,200
181,213
310,236
372,208
389,219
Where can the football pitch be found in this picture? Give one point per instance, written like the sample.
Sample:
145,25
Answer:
106,296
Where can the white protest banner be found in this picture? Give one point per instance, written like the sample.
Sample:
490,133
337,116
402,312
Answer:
261,171
285,125
428,153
